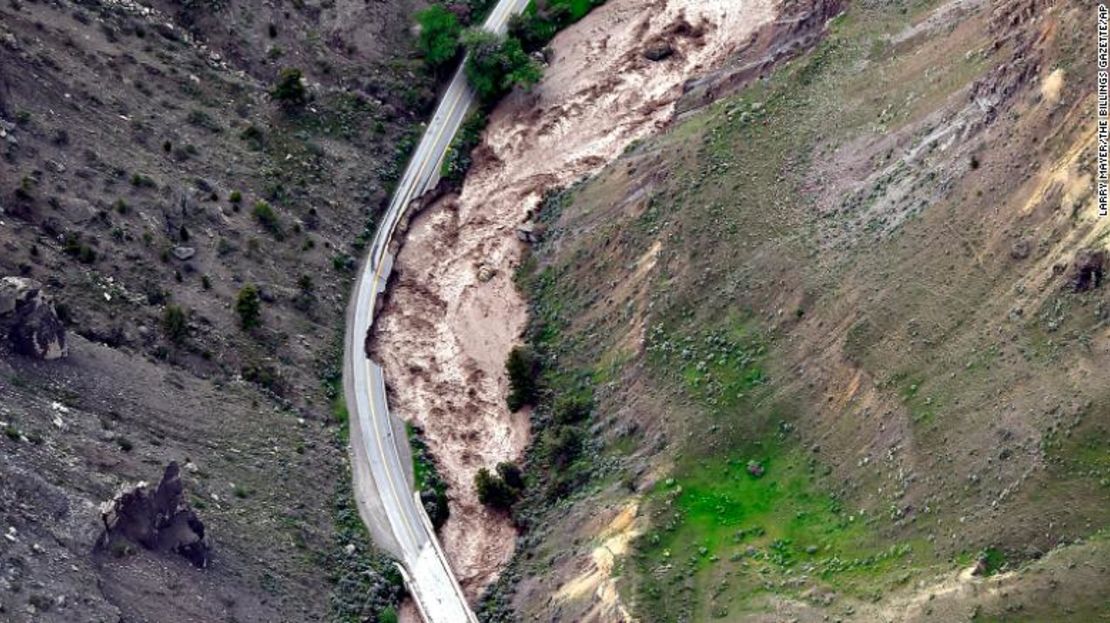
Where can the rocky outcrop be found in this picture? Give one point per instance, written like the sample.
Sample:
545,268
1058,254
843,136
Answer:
1087,269
28,317
160,521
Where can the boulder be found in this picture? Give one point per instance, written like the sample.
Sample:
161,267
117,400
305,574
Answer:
485,273
184,253
531,232
28,317
159,520
658,50
1087,269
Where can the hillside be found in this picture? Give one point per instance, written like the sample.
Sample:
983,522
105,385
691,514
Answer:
829,347
744,311
149,177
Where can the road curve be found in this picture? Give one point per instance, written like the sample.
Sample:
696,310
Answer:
379,448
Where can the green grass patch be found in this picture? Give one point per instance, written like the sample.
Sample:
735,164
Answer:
994,561
426,476
578,8
423,469
759,517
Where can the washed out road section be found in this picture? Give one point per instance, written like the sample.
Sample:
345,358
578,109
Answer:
453,312
381,462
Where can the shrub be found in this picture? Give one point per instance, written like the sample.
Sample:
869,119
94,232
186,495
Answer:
343,263
493,491
562,445
74,247
142,181
253,136
497,64
24,192
533,30
175,323
306,293
289,90
202,119
511,475
573,408
522,369
266,216
439,35
121,548
265,376
249,307
457,162
235,197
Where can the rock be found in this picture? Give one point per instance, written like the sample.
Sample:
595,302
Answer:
485,273
1087,269
658,50
28,317
159,520
1021,249
184,253
530,232
524,232
981,566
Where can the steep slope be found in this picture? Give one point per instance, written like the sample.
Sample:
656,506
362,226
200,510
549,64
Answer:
148,178
841,333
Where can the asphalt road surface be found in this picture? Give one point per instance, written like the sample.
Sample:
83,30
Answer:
381,462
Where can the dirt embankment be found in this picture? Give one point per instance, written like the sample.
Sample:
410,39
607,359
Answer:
453,313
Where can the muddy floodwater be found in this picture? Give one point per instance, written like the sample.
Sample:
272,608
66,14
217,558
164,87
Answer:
453,313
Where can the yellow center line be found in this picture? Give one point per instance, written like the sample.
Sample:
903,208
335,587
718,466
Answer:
374,294
385,465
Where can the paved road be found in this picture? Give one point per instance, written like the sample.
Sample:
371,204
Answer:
381,461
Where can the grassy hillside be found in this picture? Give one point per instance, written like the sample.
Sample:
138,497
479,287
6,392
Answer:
839,341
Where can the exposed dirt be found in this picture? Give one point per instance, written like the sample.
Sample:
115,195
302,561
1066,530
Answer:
445,333
598,579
